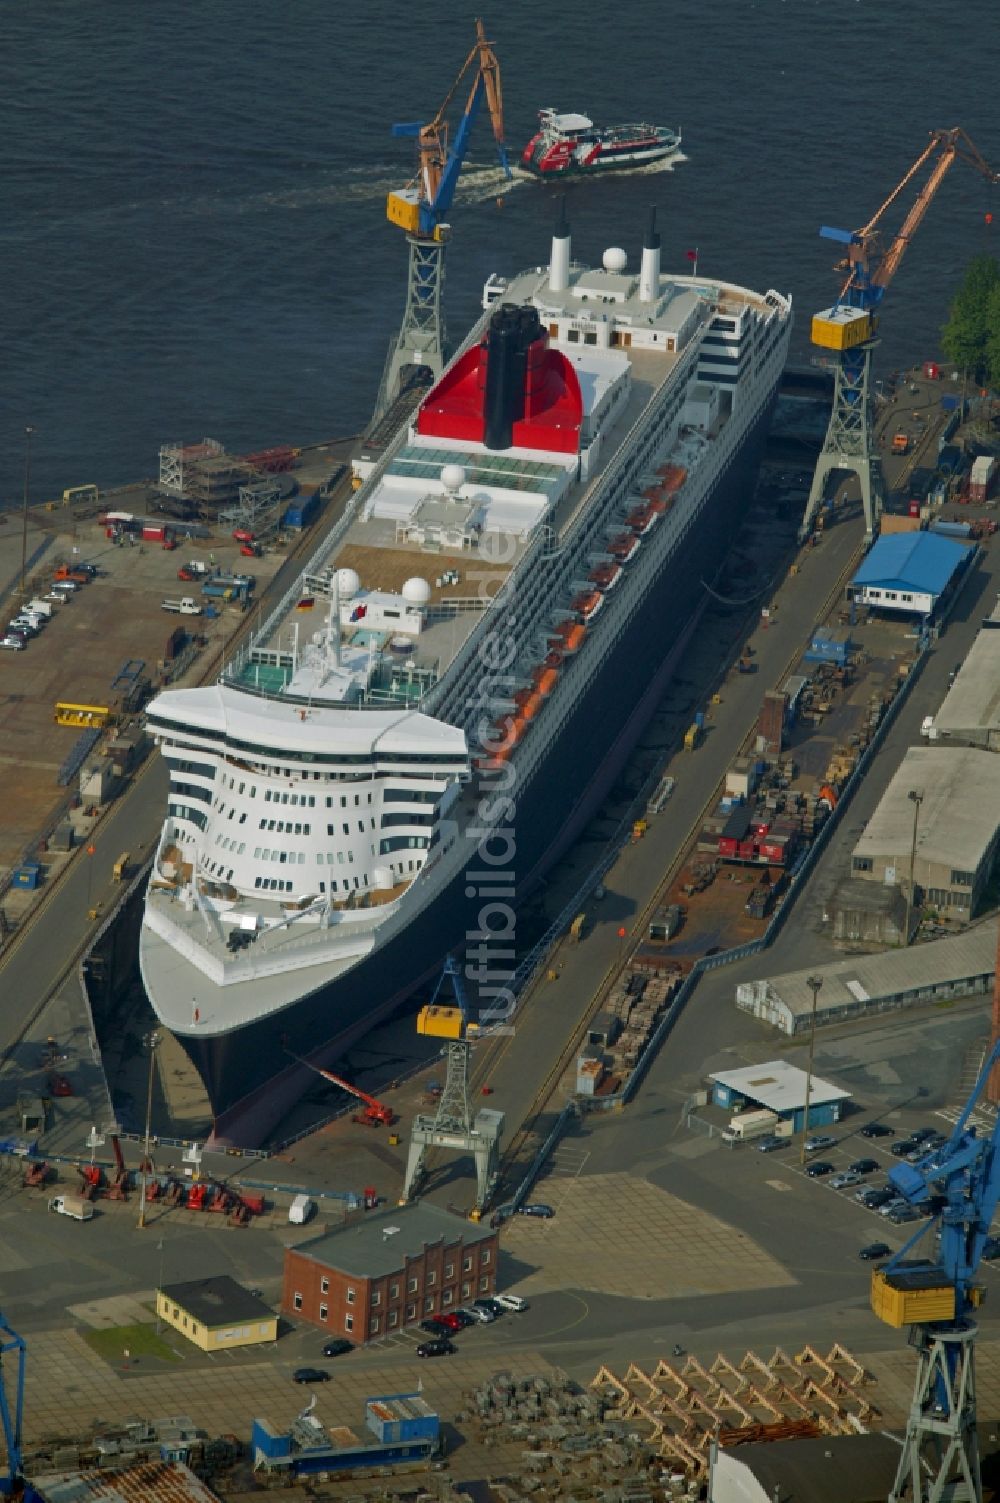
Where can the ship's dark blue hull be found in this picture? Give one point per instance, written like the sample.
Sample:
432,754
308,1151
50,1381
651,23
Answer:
248,1075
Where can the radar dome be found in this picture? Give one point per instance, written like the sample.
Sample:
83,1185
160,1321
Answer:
348,583
453,477
615,259
416,591
382,877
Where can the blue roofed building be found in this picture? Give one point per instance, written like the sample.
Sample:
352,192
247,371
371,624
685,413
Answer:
911,573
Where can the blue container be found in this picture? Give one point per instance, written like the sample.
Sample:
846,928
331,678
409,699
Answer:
699,719
950,403
264,1440
27,876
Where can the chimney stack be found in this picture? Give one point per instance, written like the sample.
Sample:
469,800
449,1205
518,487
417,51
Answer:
559,259
649,275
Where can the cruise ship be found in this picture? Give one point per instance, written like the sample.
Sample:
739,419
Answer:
425,722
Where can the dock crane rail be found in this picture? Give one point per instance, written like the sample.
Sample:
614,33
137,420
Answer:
937,1297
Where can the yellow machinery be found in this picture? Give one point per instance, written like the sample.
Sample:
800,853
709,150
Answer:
441,1022
87,716
120,867
576,927
77,493
692,736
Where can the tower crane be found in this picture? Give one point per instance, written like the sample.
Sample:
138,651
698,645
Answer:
937,1297
421,209
849,326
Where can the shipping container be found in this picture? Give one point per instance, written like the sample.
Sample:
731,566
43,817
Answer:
27,876
303,512
950,529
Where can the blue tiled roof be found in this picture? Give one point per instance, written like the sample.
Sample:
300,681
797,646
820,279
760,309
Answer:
922,562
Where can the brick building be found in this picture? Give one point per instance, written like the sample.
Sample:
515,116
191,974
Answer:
385,1271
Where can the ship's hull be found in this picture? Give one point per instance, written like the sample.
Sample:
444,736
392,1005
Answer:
248,1073
605,161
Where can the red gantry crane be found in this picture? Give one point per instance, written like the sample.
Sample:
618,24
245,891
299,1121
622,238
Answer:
849,326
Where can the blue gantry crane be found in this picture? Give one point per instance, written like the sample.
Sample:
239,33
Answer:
422,207
12,1479
849,327
937,1296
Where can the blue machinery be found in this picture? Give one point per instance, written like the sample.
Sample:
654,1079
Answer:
11,1481
421,209
849,327
937,1297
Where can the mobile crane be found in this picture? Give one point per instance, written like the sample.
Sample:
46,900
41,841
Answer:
849,327
375,1114
421,209
937,1297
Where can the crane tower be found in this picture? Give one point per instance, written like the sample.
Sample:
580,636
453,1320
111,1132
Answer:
849,328
421,210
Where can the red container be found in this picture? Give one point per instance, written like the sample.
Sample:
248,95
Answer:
932,370
913,509
152,533
728,847
747,850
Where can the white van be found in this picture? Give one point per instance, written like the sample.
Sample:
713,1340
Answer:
511,1301
300,1210
72,1205
40,607
64,587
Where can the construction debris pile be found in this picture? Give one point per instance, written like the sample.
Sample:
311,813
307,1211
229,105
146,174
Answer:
576,1444
679,1408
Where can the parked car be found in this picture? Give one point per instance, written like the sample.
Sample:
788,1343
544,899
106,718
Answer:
877,1130
889,1207
440,1348
477,1312
434,1327
898,1214
991,1249
512,1302
452,1321
310,1375
923,1133
845,1178
875,1198
11,643
464,1318
769,1143
903,1147
875,1250
865,1166
339,1347
537,1209
487,1302
819,1167
818,1141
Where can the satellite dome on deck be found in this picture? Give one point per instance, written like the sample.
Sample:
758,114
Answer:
615,259
453,477
417,591
348,583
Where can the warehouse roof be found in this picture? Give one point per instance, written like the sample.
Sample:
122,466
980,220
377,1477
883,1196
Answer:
144,1482
973,701
217,1302
922,562
778,1086
379,1244
959,808
827,1469
867,978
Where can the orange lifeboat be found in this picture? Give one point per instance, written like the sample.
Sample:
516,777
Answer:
587,605
605,576
505,733
545,679
641,520
568,637
672,477
624,547
552,660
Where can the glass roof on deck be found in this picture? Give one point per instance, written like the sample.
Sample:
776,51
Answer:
512,472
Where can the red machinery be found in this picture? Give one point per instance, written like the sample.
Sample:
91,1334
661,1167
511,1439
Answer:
118,1189
60,1085
93,1178
196,1196
35,1174
375,1114
369,1197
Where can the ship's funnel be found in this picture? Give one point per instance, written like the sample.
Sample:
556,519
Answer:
512,331
649,275
559,259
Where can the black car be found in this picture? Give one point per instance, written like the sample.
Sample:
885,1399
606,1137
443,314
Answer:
865,1166
875,1250
874,1198
310,1375
440,1348
537,1209
903,1213
877,1130
434,1327
339,1347
903,1147
465,1318
486,1303
923,1133
991,1249
819,1167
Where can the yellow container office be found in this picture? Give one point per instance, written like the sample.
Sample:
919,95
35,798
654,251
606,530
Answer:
905,1297
842,328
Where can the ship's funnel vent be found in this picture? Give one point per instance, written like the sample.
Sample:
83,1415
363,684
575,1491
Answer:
512,331
560,257
649,273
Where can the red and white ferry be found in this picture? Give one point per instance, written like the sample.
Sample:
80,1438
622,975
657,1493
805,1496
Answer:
574,144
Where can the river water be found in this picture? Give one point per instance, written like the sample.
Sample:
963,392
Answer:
193,239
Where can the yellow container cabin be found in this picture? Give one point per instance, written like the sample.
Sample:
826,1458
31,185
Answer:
842,328
440,1022
908,1295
